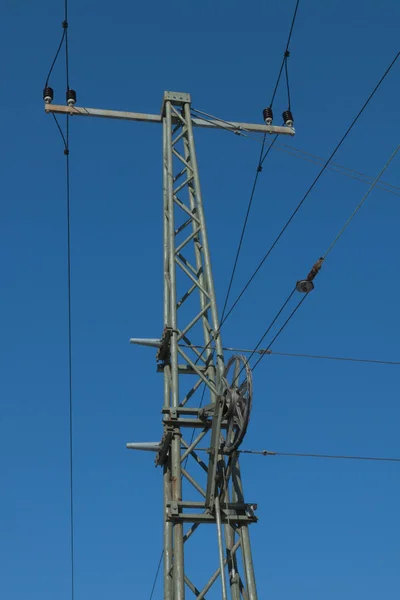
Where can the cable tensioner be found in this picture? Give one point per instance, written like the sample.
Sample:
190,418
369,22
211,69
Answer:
306,285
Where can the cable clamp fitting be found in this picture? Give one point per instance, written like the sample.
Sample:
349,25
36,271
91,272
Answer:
64,24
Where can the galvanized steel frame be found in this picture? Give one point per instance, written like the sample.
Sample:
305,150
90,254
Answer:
183,279
222,502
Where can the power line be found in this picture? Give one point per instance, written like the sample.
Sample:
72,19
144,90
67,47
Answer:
328,456
304,155
285,57
387,71
70,365
336,168
300,355
339,358
296,308
250,202
268,330
325,255
260,341
311,455
261,160
55,57
373,184
65,138
156,576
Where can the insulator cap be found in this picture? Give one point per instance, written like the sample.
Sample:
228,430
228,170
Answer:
268,115
48,95
304,286
288,118
71,97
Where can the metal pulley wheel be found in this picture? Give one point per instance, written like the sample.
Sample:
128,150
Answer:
238,398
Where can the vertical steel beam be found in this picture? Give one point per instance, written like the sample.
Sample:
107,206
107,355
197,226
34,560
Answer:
183,206
230,556
170,282
168,539
220,547
206,252
237,496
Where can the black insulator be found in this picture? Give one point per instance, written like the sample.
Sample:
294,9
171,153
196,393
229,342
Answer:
48,94
288,117
71,97
268,115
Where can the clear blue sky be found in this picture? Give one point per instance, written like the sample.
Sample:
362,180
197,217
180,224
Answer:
327,529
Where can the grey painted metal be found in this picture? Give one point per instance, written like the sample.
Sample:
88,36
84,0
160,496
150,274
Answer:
168,525
248,564
220,547
188,277
80,111
191,318
152,343
146,446
170,283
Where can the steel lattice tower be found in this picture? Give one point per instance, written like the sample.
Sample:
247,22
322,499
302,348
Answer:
199,490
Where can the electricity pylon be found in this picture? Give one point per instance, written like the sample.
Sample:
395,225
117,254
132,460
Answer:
190,356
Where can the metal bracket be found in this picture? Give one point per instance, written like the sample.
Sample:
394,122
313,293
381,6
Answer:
175,98
165,446
163,354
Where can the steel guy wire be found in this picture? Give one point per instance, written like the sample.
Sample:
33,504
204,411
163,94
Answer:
373,184
312,158
229,125
302,355
312,455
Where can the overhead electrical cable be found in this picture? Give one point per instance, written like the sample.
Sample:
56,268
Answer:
304,155
300,355
48,96
285,57
261,160
359,205
371,95
156,575
321,259
312,455
264,335
338,358
324,167
246,218
55,57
